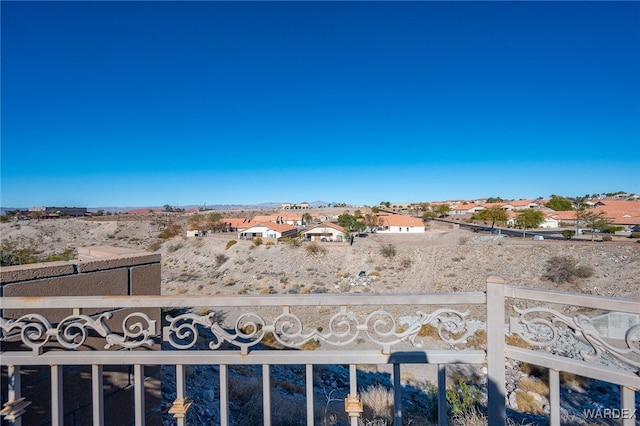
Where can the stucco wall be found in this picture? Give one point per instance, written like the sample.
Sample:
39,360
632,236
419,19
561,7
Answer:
98,271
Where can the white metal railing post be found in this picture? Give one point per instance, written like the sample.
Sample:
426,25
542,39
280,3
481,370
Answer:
309,384
224,395
443,417
57,406
630,412
554,397
355,405
181,404
15,393
138,389
266,394
497,414
397,396
97,394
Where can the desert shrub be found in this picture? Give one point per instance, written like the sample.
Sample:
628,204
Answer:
568,234
155,246
388,251
65,255
478,340
377,402
230,244
257,241
293,242
534,385
534,370
315,249
463,398
220,259
634,235
607,238
566,269
310,345
174,247
463,241
20,252
517,341
528,404
170,232
428,330
406,263
573,381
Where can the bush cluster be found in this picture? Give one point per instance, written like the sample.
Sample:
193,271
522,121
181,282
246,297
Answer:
566,269
388,251
315,249
170,232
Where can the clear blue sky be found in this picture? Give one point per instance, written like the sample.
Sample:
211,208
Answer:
153,103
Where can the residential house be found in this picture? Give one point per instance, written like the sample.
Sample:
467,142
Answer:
525,204
326,231
291,206
284,218
461,209
319,217
567,217
268,230
398,223
236,224
620,212
550,222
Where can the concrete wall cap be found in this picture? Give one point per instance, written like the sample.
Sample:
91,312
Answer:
35,271
121,261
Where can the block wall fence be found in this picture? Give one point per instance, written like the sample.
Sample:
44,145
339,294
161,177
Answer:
98,271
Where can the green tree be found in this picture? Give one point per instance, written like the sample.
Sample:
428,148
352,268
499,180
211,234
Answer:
494,200
372,221
594,220
350,223
196,221
443,210
494,214
306,218
578,204
558,203
529,219
214,221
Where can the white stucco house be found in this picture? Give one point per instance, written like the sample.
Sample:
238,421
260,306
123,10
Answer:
400,224
325,232
268,230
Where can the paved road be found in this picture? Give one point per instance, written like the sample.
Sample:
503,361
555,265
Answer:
548,234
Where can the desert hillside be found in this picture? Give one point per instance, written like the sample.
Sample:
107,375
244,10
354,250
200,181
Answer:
442,259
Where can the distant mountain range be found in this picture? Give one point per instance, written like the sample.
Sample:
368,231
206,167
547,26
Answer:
259,206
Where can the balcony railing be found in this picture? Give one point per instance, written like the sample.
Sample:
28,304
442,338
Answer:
352,329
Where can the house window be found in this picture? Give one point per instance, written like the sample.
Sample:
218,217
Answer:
407,229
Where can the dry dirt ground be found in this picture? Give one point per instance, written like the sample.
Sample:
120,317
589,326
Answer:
440,260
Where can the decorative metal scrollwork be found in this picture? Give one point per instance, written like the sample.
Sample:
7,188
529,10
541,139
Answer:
72,332
541,327
344,327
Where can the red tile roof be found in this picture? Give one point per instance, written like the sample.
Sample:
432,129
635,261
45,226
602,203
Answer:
400,220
